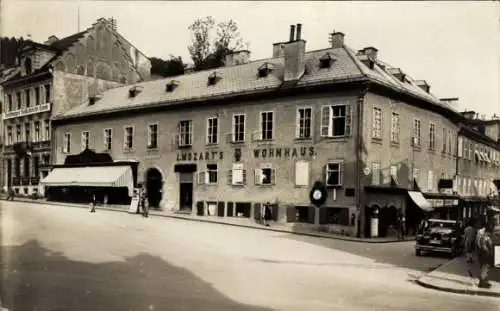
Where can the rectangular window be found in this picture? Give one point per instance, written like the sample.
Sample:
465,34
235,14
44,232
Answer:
471,150
18,97
128,137
336,120
376,173
108,138
377,123
85,140
445,140
28,99
18,133
27,132
450,142
301,173
47,129
212,174
266,125
9,135
334,172
47,93
67,143
212,131
460,147
394,174
265,176
37,96
430,181
237,176
9,99
185,132
395,128
303,123
238,128
37,131
152,136
432,136
36,166
417,133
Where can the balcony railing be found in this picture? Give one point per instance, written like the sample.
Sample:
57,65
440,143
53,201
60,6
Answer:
25,181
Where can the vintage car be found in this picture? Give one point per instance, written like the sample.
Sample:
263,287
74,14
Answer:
443,236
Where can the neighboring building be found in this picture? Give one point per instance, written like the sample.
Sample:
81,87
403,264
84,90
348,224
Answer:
225,141
54,77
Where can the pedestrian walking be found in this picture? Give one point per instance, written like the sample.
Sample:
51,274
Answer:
266,214
469,239
145,208
484,247
10,194
401,226
93,203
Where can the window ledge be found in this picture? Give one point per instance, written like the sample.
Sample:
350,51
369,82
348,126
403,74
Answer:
150,149
303,139
238,185
237,143
185,146
212,145
377,140
128,150
266,185
417,148
335,138
395,144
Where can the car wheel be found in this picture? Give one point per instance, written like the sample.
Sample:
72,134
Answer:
418,252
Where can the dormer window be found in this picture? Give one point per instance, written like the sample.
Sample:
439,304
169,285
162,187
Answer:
326,61
28,66
214,77
265,69
133,91
170,87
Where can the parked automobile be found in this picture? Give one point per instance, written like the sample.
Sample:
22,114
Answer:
440,236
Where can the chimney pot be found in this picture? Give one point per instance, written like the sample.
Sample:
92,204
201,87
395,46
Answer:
299,31
292,32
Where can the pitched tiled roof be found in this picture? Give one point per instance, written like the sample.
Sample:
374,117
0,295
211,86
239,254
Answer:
65,43
244,79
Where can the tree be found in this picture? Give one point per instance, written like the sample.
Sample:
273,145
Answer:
209,53
174,66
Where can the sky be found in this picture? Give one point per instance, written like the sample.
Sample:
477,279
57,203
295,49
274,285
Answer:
454,46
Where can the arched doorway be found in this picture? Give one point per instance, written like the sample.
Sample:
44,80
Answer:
154,185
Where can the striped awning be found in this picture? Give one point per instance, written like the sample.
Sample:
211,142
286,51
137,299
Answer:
91,176
418,198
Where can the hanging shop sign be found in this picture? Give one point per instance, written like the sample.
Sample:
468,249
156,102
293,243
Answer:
279,153
200,156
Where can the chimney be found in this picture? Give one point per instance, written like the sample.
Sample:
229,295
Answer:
294,53
299,31
423,85
337,39
371,52
292,33
51,40
397,73
237,58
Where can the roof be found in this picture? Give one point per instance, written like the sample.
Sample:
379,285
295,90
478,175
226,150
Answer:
65,43
243,79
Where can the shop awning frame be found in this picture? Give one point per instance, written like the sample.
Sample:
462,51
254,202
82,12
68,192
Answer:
91,176
418,198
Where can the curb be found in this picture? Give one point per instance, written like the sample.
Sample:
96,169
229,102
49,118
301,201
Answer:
310,234
472,292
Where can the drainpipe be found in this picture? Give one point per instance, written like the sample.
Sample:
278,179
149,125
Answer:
359,147
460,206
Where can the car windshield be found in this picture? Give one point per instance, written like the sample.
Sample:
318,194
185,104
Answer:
442,225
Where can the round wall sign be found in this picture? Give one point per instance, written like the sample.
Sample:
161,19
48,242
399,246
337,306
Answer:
318,194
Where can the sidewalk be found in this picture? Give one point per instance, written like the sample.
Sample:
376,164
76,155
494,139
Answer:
230,221
457,276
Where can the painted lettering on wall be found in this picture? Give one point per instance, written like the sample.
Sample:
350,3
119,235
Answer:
200,156
284,152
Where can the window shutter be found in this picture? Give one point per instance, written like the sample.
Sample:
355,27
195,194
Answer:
244,172
341,174
258,174
297,124
83,142
460,147
348,119
325,174
257,210
202,177
326,121
291,214
273,176
230,177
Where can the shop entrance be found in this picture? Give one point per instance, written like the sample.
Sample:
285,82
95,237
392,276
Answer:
186,191
154,184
